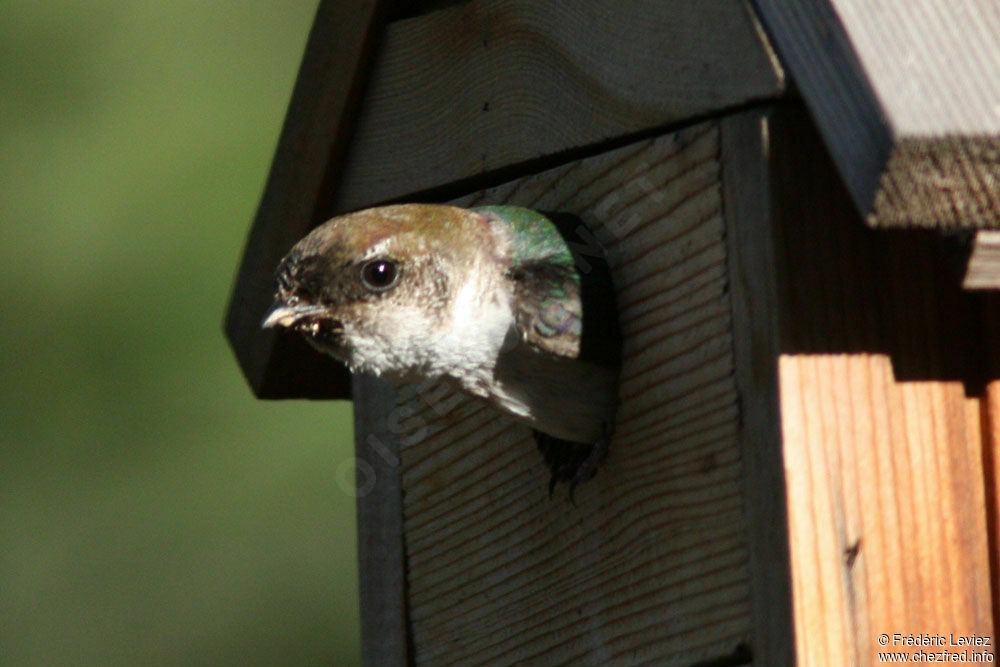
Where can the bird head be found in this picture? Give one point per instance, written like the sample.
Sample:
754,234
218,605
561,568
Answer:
377,288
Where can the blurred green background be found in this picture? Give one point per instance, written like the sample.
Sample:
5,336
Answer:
151,510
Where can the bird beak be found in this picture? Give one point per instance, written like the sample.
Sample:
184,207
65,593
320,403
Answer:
284,315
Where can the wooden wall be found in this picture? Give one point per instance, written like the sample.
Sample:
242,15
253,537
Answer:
806,451
879,364
651,563
803,460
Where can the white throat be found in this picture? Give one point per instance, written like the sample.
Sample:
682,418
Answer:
481,317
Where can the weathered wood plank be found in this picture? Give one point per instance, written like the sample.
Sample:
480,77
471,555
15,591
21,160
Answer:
297,196
753,288
906,94
983,269
991,446
882,447
487,85
381,555
651,563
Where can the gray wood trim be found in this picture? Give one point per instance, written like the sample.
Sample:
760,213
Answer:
296,197
381,547
488,85
747,192
905,93
983,269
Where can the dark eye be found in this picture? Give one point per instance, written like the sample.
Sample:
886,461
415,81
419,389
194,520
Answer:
379,274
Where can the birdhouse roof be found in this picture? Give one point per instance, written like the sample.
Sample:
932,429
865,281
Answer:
434,105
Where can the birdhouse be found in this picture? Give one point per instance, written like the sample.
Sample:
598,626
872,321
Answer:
795,200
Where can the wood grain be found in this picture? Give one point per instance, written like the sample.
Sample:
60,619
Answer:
487,85
468,93
753,289
881,426
906,94
651,563
991,447
296,197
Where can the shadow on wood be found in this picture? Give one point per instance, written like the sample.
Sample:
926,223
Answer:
878,364
651,563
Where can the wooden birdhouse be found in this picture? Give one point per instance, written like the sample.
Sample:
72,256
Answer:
791,196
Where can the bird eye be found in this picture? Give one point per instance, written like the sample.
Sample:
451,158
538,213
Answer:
379,274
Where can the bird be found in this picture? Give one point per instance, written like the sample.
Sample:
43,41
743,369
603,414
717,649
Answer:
513,306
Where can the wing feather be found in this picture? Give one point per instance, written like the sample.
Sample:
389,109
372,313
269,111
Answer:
549,312
563,293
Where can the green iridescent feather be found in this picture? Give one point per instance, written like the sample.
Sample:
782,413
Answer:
535,237
547,283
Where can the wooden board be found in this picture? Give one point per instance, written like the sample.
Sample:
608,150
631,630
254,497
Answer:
880,377
650,565
476,92
472,91
381,556
753,290
991,446
992,469
906,94
983,268
297,197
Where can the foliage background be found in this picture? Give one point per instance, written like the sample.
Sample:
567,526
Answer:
152,511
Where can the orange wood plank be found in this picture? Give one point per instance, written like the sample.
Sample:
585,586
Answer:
883,449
